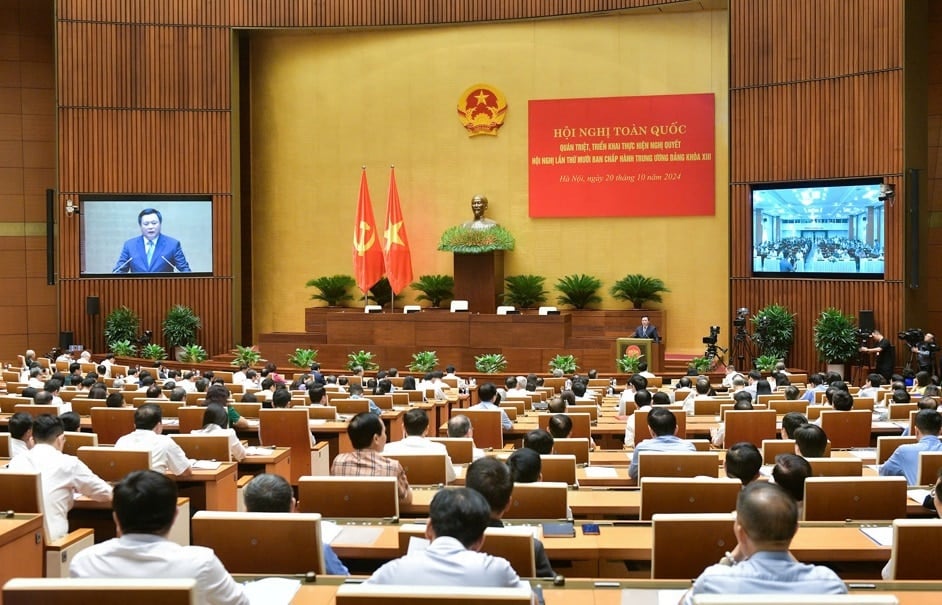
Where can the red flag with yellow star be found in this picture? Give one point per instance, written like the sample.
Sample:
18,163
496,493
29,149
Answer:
396,249
367,255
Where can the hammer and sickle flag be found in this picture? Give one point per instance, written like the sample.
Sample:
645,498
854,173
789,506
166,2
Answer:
367,254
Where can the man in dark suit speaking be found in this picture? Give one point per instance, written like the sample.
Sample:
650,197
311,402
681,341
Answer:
646,330
152,252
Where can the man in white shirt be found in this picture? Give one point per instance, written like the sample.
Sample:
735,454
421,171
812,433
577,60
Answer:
145,507
731,375
415,422
635,383
519,388
61,475
188,383
459,427
165,454
21,434
457,520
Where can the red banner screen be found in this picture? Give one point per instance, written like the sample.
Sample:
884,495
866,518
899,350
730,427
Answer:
622,156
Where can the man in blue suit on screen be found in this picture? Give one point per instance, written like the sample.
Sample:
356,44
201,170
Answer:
152,252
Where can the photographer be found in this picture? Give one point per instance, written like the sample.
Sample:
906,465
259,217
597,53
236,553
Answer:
885,351
925,352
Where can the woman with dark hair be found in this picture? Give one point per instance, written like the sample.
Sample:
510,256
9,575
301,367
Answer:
216,422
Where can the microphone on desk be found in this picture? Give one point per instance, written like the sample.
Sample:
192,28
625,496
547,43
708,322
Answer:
123,265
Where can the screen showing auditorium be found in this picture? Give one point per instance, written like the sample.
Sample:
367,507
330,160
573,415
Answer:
138,235
831,229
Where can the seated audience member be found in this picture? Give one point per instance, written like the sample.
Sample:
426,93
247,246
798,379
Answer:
743,461
741,401
356,392
71,421
526,466
933,502
816,384
904,460
154,392
21,433
97,391
165,454
115,400
560,426
810,441
416,441
539,440
790,472
457,520
269,493
636,383
663,429
145,507
642,399
61,475
281,398
487,393
368,436
492,479
872,388
459,427
792,421
766,521
791,393
216,422
702,390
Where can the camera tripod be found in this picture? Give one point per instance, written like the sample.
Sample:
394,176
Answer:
742,345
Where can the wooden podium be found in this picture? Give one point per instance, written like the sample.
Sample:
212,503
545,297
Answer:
479,279
650,350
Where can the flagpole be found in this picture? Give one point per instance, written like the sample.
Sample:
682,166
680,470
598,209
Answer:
392,302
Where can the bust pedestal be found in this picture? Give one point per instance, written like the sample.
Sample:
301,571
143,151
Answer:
479,279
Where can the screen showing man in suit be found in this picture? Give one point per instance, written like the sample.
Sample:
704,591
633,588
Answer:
152,251
646,330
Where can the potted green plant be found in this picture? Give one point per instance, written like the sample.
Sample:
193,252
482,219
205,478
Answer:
565,363
765,363
525,291
423,361
702,365
490,363
180,327
121,324
193,354
123,348
303,358
362,359
638,289
332,289
153,351
774,330
629,364
466,240
578,290
245,356
434,288
835,338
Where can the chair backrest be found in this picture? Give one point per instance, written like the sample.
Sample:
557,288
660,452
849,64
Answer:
671,555
669,495
678,464
113,464
836,466
519,406
247,410
460,449
75,439
581,423
262,543
194,397
382,594
515,544
540,500
590,409
578,447
4,445
83,405
707,407
929,465
400,398
641,424
9,402
901,411
864,403
888,444
20,492
204,447
321,412
110,424
510,409
752,426
909,559
785,406
488,432
36,410
288,428
383,402
559,468
351,406
858,498
422,469
354,497
73,591
847,429
774,447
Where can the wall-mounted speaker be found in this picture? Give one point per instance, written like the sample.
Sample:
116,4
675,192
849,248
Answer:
92,305
865,321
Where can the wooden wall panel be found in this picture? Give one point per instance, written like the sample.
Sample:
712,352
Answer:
816,92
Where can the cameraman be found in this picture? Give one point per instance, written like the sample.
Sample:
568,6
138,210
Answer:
926,353
886,356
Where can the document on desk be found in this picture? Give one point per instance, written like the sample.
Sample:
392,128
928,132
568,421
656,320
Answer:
358,535
205,465
638,596
329,531
918,495
883,536
256,450
170,421
271,591
601,472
